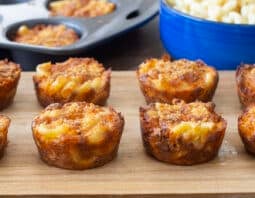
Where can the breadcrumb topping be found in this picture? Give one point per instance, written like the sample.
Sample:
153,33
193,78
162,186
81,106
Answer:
82,8
246,122
46,35
183,74
246,79
182,112
9,72
72,78
192,122
82,118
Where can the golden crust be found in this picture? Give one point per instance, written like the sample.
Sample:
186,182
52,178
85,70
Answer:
77,135
9,78
75,80
182,134
245,80
81,8
162,80
4,125
246,128
46,35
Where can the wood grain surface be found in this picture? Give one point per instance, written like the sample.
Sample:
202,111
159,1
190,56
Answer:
132,173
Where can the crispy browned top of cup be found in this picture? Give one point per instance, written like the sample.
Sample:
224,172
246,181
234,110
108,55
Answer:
246,123
74,76
9,72
245,77
46,35
193,122
81,8
180,75
77,121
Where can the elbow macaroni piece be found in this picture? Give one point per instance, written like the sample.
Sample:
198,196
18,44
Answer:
227,11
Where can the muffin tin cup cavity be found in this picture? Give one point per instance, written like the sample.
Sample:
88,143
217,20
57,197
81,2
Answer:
12,2
222,45
77,27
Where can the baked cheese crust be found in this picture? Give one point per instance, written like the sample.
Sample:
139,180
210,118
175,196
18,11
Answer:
9,78
245,80
75,80
246,127
46,35
162,80
182,134
81,8
77,135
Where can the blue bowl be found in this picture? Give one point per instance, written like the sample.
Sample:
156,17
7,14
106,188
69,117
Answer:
221,45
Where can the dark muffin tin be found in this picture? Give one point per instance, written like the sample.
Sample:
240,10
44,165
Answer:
128,15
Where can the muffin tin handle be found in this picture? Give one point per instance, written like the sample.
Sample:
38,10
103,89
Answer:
137,15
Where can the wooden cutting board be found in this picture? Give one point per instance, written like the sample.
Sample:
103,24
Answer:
132,173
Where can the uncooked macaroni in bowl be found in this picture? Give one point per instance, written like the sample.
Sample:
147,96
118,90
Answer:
227,11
